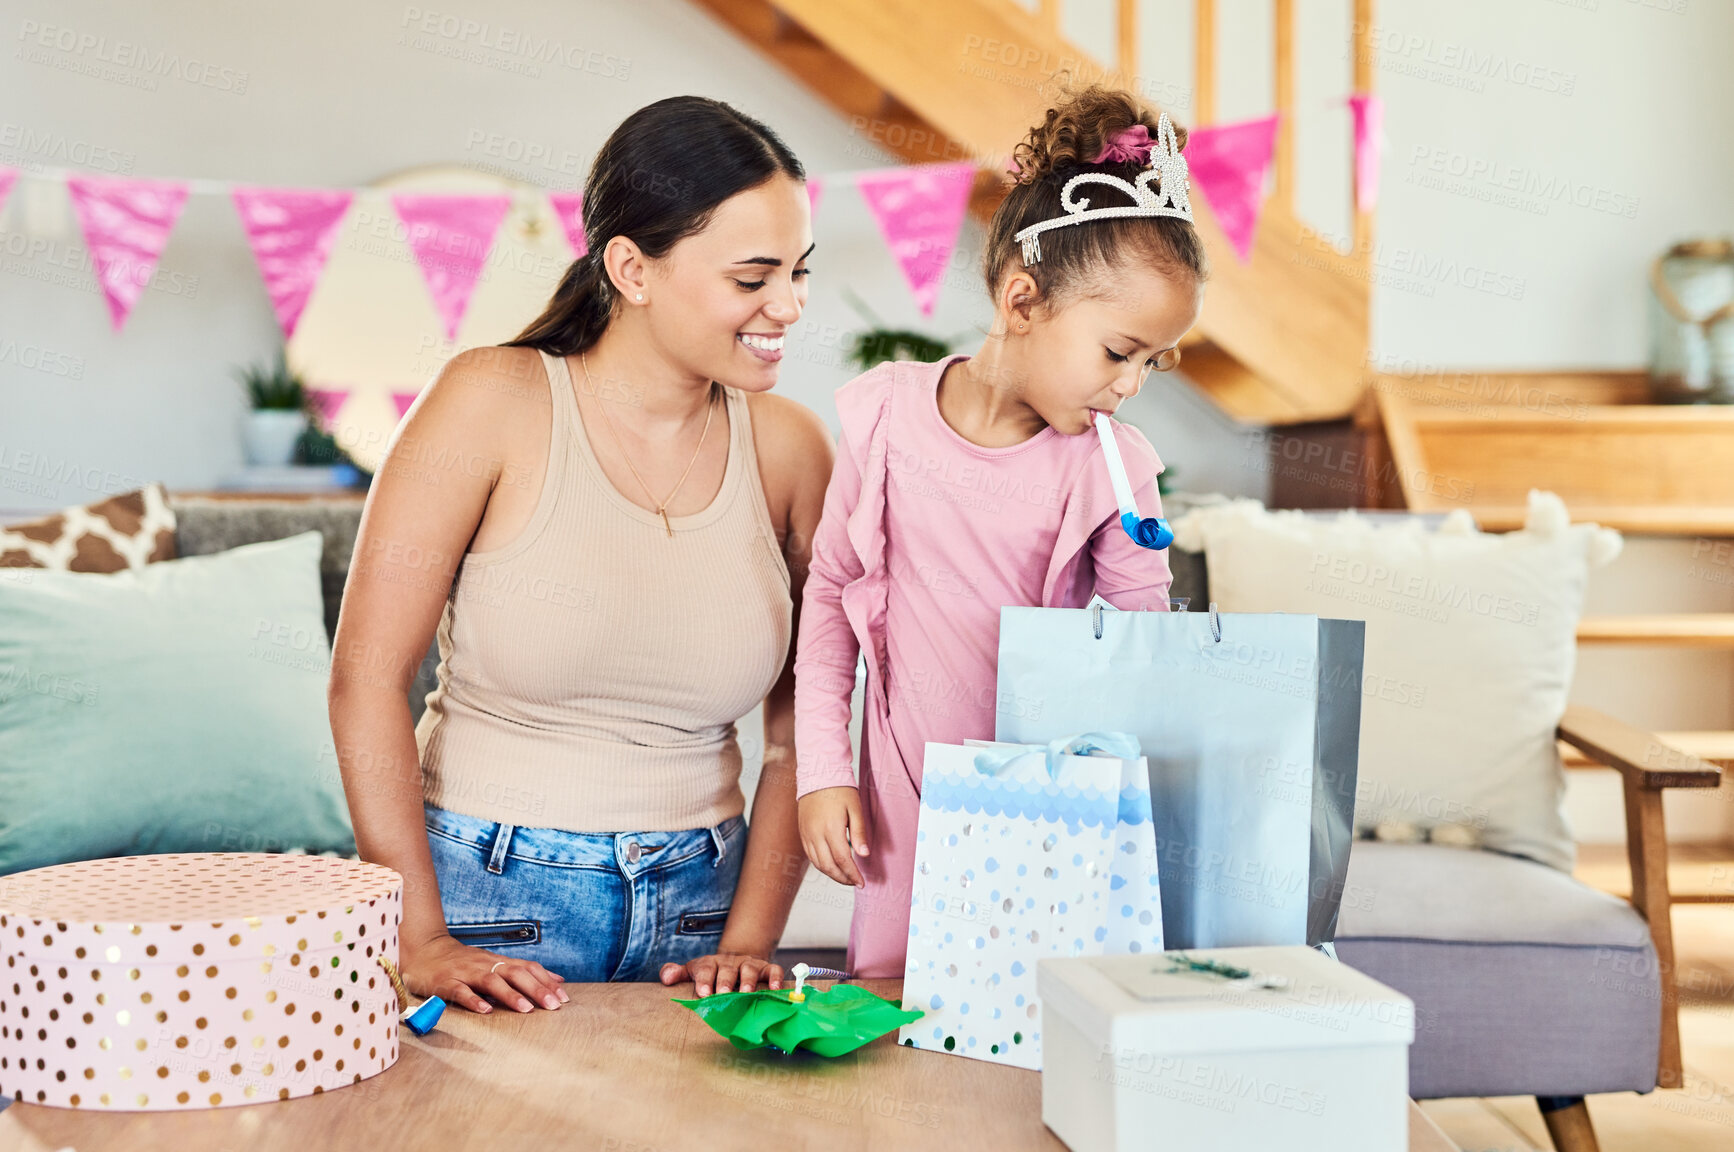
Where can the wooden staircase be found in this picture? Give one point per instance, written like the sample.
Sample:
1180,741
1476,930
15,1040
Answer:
1283,337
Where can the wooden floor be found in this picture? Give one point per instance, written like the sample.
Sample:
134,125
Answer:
1697,1118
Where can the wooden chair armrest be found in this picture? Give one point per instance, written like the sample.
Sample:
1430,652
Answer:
1641,757
1647,765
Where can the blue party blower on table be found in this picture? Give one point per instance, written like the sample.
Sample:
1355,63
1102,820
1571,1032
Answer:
422,1018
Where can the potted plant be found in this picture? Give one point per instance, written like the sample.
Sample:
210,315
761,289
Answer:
878,343
279,412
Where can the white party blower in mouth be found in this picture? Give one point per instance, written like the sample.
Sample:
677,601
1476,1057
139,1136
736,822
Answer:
1147,532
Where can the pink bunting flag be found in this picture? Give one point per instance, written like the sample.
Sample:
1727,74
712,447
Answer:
814,187
126,226
403,400
7,176
451,237
569,207
1369,113
1228,163
325,403
291,231
920,210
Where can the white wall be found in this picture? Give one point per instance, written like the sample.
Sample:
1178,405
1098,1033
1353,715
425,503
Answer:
325,93
1616,147
1628,110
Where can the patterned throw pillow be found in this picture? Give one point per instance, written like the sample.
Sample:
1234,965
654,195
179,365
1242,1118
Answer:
126,531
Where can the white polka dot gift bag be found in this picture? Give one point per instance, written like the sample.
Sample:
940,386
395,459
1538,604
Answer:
1023,852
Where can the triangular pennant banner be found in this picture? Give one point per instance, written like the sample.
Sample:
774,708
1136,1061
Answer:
569,207
7,176
919,211
1228,163
403,400
451,237
126,225
291,231
1369,113
325,403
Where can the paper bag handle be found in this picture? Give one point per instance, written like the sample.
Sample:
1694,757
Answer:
1215,621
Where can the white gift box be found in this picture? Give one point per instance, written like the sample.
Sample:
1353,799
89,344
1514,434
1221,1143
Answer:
1305,1054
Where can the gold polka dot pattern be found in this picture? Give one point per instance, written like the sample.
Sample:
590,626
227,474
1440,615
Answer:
195,980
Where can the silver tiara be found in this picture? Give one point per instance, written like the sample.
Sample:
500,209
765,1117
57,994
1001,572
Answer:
1169,197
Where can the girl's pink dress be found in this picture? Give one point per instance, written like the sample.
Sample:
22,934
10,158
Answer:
924,537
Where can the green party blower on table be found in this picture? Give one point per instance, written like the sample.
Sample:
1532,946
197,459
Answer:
828,1021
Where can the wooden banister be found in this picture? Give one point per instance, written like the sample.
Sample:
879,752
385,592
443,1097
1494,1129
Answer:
1204,61
1282,163
1128,39
1363,69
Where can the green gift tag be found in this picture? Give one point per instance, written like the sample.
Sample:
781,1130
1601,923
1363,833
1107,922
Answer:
831,1021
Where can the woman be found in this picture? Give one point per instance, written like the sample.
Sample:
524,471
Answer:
614,568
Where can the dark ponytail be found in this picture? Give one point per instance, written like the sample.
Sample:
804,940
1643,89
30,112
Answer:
657,180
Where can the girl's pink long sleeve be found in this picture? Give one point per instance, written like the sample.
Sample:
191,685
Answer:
827,650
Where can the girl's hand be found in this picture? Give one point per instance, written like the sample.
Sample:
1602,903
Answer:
459,974
721,969
833,833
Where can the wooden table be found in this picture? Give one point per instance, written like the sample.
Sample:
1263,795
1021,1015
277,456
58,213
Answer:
618,1069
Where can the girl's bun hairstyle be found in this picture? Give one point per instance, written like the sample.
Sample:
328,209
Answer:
1066,142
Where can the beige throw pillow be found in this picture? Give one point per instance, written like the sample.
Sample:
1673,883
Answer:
1471,642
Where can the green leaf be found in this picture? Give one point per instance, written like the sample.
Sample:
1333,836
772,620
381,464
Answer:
877,345
832,1021
273,386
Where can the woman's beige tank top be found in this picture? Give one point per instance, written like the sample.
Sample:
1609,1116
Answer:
592,670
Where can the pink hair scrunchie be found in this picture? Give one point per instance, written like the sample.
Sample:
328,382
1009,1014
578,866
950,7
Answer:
1128,145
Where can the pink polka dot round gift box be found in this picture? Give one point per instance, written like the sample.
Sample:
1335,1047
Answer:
196,980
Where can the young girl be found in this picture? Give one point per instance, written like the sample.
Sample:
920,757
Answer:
977,482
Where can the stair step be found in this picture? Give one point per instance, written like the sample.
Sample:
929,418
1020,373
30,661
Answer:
1675,630
1697,873
1662,469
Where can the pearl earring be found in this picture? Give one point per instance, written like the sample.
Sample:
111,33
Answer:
639,297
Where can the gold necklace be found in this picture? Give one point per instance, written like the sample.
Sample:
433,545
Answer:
710,410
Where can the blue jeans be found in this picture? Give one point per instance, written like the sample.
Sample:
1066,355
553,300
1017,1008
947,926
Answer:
589,907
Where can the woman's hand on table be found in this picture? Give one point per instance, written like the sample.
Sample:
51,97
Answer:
723,971
460,974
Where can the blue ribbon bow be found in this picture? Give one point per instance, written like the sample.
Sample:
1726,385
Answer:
995,761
